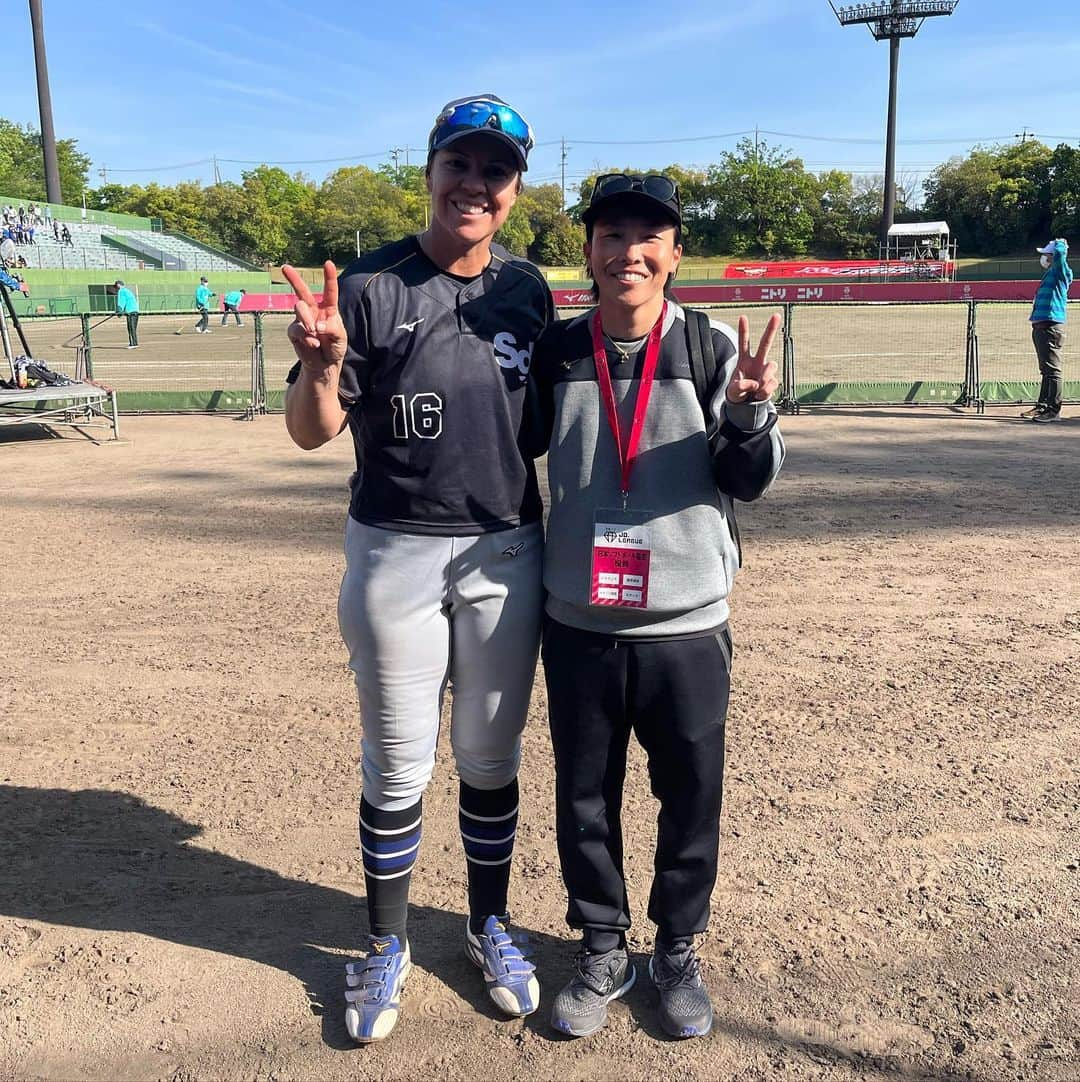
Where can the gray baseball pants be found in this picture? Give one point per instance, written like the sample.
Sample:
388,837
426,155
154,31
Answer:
417,612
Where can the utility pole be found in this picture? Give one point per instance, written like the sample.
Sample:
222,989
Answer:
757,178
892,20
104,174
563,168
217,171
394,152
1024,136
48,135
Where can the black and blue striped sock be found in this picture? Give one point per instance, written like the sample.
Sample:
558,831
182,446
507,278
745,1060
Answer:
389,842
488,821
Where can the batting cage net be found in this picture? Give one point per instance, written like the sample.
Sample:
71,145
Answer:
172,369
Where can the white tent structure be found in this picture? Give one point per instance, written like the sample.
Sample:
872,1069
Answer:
927,243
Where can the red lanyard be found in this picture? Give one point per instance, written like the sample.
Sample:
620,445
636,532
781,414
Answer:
607,393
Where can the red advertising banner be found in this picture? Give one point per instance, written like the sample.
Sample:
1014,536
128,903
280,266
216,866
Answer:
843,268
831,292
269,302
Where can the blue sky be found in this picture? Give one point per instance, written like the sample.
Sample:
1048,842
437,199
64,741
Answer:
145,86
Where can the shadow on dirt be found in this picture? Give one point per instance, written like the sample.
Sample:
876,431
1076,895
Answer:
109,861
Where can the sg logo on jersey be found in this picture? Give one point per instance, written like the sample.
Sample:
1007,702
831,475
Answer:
510,357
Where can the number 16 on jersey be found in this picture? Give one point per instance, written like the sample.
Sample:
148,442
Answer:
419,416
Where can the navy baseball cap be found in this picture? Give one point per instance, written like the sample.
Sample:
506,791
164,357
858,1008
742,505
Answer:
487,114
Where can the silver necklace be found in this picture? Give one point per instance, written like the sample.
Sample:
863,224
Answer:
624,353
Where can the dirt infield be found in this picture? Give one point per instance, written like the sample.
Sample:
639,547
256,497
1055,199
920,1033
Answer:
898,890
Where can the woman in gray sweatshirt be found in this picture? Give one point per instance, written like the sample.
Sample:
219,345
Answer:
641,554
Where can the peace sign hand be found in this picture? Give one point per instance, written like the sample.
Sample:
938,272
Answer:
317,333
754,379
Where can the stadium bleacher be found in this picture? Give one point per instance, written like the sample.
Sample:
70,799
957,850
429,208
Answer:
131,249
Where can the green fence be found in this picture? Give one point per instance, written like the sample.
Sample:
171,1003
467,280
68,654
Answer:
964,353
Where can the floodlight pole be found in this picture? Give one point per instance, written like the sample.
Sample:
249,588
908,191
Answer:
48,135
891,19
889,210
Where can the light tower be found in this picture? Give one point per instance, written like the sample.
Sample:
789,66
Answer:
48,136
892,20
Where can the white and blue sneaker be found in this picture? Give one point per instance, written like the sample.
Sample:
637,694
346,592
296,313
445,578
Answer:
373,989
510,978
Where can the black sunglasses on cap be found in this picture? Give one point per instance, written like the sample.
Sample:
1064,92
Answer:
653,186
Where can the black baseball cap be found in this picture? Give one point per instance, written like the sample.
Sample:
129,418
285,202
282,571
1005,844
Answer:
486,114
650,192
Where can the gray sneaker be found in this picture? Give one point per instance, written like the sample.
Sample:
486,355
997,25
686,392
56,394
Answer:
580,1009
685,1009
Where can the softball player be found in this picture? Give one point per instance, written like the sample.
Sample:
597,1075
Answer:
422,350
642,552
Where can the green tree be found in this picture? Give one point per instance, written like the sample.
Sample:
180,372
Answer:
847,216
22,165
356,206
556,240
764,201
114,197
516,233
560,245
1065,192
996,200
278,215
181,208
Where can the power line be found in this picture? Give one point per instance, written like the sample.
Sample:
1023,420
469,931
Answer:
564,145
163,168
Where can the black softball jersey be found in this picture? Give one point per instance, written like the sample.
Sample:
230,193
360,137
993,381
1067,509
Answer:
434,383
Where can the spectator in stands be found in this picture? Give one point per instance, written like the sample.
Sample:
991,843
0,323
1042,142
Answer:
56,229
203,293
127,305
1048,316
31,214
232,304
65,236
47,218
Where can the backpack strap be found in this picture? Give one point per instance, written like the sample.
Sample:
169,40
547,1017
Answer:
699,341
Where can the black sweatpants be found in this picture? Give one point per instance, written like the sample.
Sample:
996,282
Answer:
673,694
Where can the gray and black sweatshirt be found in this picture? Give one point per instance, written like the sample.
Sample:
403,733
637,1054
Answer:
688,471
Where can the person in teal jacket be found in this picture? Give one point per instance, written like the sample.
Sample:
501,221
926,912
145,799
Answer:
203,293
1048,315
232,304
127,305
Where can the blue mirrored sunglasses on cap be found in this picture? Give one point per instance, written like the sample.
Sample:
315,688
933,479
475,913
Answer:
482,114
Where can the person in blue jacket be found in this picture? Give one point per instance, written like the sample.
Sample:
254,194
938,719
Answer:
127,305
1048,316
203,293
13,282
232,305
